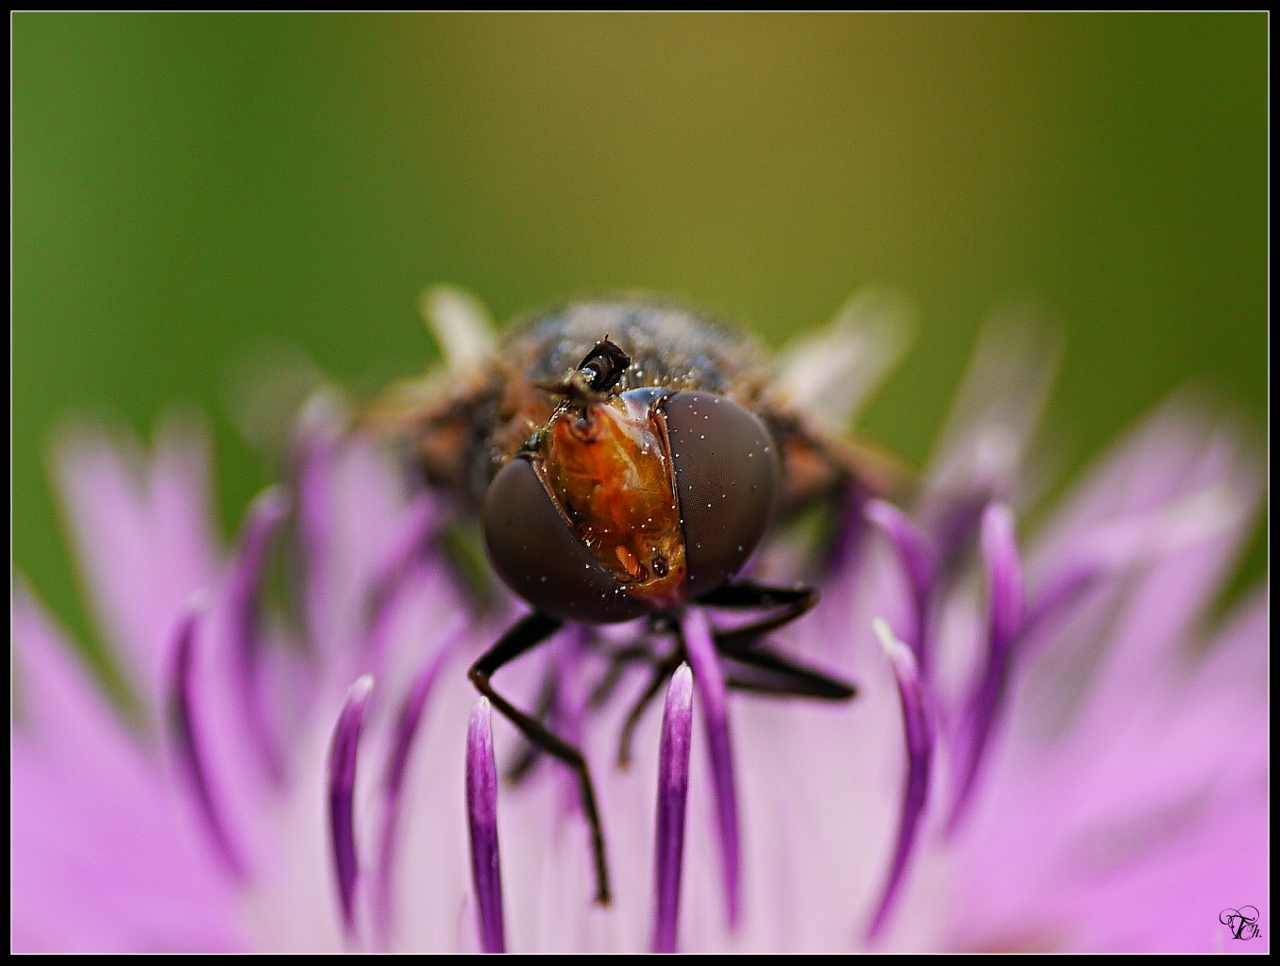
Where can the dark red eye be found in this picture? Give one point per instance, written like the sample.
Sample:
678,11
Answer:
726,471
538,556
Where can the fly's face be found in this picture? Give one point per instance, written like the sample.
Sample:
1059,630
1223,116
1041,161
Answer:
630,502
608,467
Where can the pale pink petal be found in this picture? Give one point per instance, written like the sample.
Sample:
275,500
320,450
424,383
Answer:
142,535
1203,853
1164,819
353,511
106,856
1129,764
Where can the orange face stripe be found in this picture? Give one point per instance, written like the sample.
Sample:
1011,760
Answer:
608,467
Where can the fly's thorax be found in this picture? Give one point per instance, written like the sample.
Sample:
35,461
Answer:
607,464
670,346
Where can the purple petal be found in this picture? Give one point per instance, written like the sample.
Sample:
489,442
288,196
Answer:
1132,775
709,677
673,793
482,816
1163,565
844,554
352,519
97,867
394,575
342,783
1165,511
1007,609
1004,575
1055,604
184,731
954,524
1174,455
917,559
416,524
242,599
406,732
58,705
314,453
918,729
1158,808
414,704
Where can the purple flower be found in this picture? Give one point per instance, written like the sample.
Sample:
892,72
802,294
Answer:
1048,749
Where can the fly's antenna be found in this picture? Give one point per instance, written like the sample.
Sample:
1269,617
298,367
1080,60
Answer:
597,373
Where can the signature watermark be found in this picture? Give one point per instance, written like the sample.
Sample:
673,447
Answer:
1242,922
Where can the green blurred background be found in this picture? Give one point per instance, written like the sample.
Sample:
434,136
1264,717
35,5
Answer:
188,187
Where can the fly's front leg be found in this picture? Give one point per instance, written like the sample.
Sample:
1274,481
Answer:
762,671
661,671
530,754
618,663
750,667
525,635
795,603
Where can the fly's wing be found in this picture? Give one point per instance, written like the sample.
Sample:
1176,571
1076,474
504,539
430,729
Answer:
821,381
993,418
445,415
815,463
985,451
883,472
829,374
461,324
438,418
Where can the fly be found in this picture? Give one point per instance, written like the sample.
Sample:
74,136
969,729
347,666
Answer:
625,459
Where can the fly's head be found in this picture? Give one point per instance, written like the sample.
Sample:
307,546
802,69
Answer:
627,503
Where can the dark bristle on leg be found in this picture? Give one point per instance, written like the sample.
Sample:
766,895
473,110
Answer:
523,636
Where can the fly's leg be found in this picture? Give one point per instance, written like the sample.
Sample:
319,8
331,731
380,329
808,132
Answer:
637,653
525,635
763,672
749,667
661,671
746,595
529,753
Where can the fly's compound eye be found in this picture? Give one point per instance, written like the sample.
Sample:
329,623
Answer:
726,475
537,555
